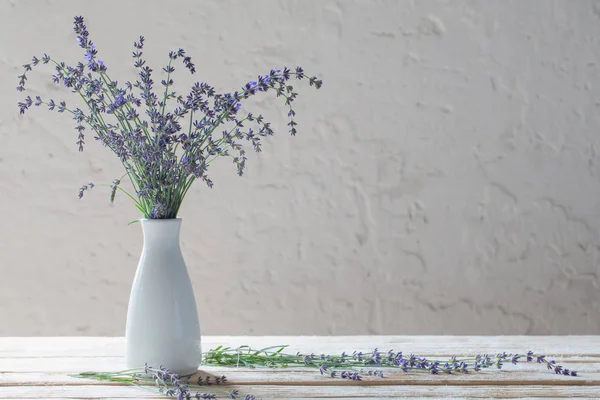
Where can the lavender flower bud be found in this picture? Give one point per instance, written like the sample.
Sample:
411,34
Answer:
113,190
84,188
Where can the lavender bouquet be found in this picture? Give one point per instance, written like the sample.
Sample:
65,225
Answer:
173,141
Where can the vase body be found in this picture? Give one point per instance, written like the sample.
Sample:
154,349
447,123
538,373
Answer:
162,320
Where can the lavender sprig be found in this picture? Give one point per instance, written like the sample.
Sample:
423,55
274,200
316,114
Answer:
370,363
164,144
170,383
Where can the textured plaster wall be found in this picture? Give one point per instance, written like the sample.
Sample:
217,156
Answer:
445,180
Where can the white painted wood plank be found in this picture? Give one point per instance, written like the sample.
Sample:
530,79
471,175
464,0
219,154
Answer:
76,365
311,398
62,364
318,392
519,374
422,345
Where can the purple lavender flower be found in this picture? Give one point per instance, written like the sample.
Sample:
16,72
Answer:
352,375
84,188
205,395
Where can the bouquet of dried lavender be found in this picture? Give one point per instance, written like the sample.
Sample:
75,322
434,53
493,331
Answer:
167,147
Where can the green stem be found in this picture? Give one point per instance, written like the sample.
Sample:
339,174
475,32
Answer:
166,88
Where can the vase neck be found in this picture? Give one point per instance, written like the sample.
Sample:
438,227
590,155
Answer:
161,232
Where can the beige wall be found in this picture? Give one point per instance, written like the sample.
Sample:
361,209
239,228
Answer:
446,179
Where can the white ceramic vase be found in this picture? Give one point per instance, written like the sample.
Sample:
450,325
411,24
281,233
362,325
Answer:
162,320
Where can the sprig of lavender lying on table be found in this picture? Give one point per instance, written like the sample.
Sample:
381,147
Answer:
170,383
165,141
370,362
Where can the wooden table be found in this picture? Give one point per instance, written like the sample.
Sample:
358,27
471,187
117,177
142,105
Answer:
39,368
